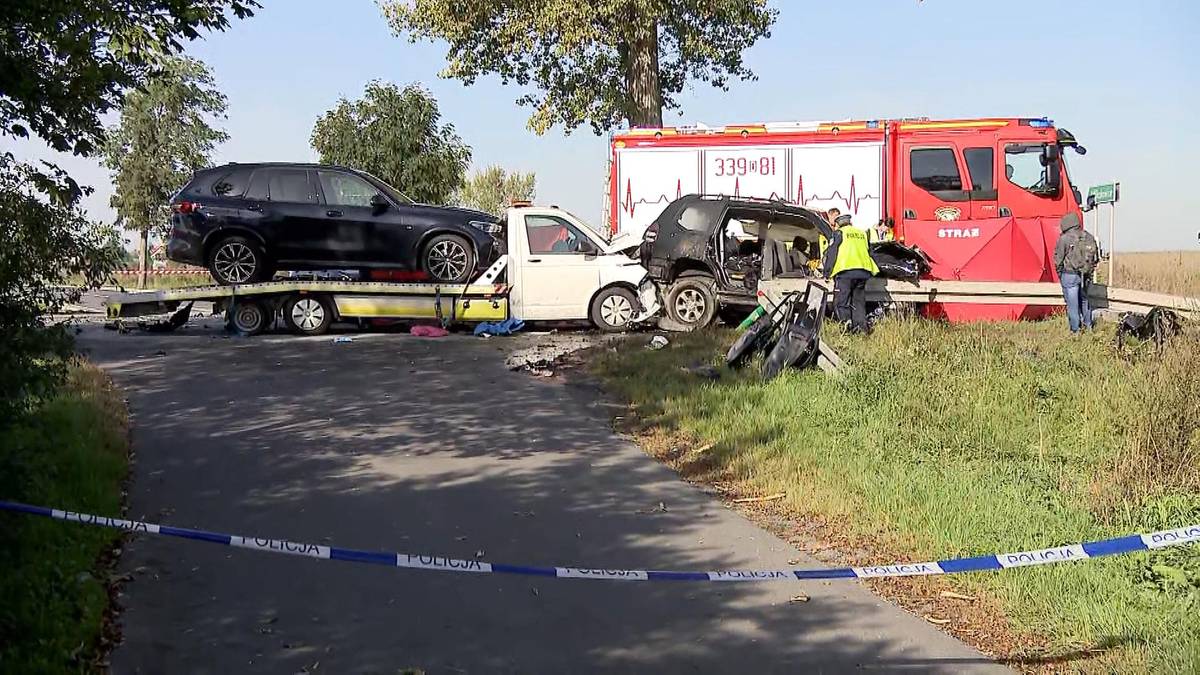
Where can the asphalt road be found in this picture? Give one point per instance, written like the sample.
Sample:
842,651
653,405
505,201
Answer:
396,443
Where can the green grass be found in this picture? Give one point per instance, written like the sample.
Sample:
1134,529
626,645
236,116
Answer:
71,453
163,281
947,441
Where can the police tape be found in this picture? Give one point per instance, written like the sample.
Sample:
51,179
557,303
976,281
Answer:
1057,554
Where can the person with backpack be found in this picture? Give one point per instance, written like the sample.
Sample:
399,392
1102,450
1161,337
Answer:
1075,257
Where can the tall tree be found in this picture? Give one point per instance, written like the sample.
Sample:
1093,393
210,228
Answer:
493,189
164,135
62,65
45,242
395,134
599,62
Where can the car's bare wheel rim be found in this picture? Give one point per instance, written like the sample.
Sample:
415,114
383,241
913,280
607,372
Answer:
690,305
446,260
235,262
307,314
248,317
616,310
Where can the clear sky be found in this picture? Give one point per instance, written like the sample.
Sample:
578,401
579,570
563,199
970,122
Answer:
1119,74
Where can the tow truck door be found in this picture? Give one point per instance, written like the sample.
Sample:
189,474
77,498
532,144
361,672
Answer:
558,266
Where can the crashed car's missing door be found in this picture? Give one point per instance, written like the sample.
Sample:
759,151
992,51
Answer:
706,252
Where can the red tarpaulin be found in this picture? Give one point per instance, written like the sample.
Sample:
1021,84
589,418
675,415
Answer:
995,249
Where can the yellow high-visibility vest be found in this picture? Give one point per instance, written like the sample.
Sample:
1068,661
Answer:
873,235
853,253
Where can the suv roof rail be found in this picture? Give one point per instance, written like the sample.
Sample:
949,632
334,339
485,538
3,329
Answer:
754,200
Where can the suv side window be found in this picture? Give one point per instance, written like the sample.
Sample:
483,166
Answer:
343,189
290,185
258,186
232,184
551,234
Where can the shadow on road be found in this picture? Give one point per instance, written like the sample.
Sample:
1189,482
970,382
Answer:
430,446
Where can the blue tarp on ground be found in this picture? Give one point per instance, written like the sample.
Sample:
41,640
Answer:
506,327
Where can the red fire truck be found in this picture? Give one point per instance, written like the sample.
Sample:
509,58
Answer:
981,197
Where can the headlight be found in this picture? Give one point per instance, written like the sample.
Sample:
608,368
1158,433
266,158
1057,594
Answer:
493,229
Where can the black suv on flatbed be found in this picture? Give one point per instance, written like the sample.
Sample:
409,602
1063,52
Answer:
245,221
708,252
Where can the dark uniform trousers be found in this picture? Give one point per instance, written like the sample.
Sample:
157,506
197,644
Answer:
850,298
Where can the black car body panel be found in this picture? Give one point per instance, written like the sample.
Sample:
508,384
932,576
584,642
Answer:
687,236
289,210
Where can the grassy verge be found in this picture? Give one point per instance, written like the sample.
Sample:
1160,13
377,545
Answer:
945,441
71,453
153,281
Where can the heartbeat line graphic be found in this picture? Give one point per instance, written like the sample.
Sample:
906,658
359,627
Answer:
629,203
851,200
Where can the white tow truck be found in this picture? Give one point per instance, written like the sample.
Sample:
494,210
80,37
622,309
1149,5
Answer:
555,268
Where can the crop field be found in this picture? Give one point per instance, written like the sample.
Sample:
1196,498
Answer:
1170,272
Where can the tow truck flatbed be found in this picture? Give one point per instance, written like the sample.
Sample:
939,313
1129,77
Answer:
310,306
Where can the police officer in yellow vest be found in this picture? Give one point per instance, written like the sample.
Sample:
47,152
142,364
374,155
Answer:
882,231
848,262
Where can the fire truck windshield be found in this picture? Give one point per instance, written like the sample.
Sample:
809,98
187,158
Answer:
1025,166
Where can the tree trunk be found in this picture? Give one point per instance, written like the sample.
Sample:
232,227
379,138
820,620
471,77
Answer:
640,57
144,259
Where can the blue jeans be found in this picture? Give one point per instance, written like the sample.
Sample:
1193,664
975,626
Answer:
1075,292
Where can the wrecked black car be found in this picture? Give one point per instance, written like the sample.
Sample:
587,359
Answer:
709,252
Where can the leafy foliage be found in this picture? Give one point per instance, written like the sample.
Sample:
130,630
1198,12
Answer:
65,63
162,138
45,242
597,62
493,189
394,133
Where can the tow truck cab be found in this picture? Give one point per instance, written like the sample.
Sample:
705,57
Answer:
559,268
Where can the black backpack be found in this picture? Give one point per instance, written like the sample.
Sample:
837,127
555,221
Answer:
1083,255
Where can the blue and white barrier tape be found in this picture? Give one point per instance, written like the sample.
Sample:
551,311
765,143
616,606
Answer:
1071,552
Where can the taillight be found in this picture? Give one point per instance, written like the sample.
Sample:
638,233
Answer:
651,234
186,207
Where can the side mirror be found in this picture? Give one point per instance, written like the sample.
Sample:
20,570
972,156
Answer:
379,204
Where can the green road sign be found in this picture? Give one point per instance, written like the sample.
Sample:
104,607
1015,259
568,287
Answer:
1108,193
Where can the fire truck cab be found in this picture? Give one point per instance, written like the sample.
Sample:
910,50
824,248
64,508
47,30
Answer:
982,198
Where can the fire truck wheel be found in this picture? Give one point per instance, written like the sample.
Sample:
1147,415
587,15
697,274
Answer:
692,301
308,314
248,317
613,308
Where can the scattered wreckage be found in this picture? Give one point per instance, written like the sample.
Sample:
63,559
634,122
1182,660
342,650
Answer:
710,253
